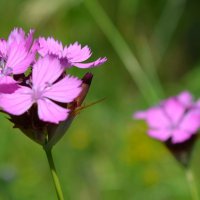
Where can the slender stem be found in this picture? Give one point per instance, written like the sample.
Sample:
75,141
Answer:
146,87
192,184
166,27
54,175
149,65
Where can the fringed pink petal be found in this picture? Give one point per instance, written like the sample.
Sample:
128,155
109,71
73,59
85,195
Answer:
45,71
51,112
18,102
65,90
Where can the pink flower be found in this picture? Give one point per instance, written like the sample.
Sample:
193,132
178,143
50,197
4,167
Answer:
46,88
42,102
72,55
16,55
177,119
38,130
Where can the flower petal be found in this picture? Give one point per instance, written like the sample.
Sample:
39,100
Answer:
8,84
71,55
50,112
156,118
18,55
179,136
50,46
45,71
18,102
75,53
17,35
3,48
140,115
29,39
19,58
161,134
191,121
96,63
65,90
174,110
185,98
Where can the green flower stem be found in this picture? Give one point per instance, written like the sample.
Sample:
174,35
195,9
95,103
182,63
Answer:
54,175
192,184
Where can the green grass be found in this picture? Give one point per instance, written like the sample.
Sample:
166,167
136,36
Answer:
106,155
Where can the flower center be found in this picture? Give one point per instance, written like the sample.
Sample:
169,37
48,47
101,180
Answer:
38,92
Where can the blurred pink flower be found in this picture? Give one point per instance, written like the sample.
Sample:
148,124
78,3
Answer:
46,88
72,55
176,118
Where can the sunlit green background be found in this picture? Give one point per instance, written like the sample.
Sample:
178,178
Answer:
106,155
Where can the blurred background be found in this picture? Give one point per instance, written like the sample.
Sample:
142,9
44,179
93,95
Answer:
153,50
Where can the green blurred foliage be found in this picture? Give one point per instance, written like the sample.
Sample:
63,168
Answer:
106,154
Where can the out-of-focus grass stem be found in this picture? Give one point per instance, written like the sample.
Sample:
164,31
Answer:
192,184
167,25
146,87
148,63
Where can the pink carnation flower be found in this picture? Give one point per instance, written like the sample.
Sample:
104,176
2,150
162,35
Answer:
177,118
72,55
46,88
16,55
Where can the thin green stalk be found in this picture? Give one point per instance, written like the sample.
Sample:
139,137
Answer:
54,175
167,24
146,87
148,63
192,184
